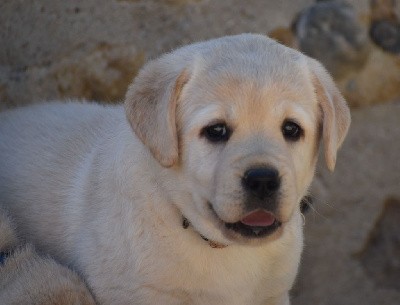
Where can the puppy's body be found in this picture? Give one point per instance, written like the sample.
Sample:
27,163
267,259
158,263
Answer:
123,234
86,189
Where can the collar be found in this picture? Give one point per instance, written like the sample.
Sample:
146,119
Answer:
3,256
213,244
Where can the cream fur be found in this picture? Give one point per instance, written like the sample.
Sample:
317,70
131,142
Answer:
109,201
29,279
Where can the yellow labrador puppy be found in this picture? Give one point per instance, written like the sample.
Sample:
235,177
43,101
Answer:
188,195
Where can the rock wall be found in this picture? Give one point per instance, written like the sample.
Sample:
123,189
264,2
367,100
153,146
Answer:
92,49
359,47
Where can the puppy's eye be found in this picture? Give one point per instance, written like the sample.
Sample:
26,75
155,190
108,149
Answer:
216,133
291,131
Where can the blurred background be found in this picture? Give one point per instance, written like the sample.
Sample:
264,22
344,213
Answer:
52,49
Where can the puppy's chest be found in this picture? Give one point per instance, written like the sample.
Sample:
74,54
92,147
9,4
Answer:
218,278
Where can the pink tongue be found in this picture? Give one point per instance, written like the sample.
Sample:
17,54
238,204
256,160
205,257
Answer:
259,218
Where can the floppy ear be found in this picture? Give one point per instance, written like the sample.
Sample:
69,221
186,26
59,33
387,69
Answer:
335,112
150,106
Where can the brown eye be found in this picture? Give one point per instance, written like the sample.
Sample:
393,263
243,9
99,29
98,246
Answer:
291,131
216,133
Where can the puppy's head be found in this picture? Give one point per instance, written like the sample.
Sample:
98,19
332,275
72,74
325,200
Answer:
238,122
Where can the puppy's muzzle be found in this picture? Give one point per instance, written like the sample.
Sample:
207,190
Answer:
261,183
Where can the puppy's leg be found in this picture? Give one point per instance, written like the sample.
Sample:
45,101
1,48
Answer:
27,278
283,300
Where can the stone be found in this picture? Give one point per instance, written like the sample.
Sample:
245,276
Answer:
377,82
385,26
330,32
386,34
102,75
383,10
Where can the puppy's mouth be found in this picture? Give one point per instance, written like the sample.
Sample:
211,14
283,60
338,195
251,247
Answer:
256,224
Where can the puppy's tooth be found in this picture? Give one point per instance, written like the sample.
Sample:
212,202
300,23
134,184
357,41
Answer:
256,230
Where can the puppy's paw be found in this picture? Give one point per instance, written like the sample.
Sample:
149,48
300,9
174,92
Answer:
28,278
8,237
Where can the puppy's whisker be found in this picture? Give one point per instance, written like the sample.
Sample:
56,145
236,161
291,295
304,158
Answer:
304,219
333,207
309,199
317,213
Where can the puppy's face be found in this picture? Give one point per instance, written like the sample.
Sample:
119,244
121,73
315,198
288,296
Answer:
248,150
248,120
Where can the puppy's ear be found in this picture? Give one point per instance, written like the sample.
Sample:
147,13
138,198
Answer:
335,112
150,106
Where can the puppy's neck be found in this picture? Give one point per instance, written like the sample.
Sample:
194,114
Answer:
213,244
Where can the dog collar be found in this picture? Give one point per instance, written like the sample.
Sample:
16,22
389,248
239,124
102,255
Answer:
4,256
213,244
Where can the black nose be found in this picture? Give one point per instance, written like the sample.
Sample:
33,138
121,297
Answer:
261,182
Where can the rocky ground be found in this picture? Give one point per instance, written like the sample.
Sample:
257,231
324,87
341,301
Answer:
92,49
352,245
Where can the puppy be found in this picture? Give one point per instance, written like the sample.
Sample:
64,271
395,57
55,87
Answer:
191,193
